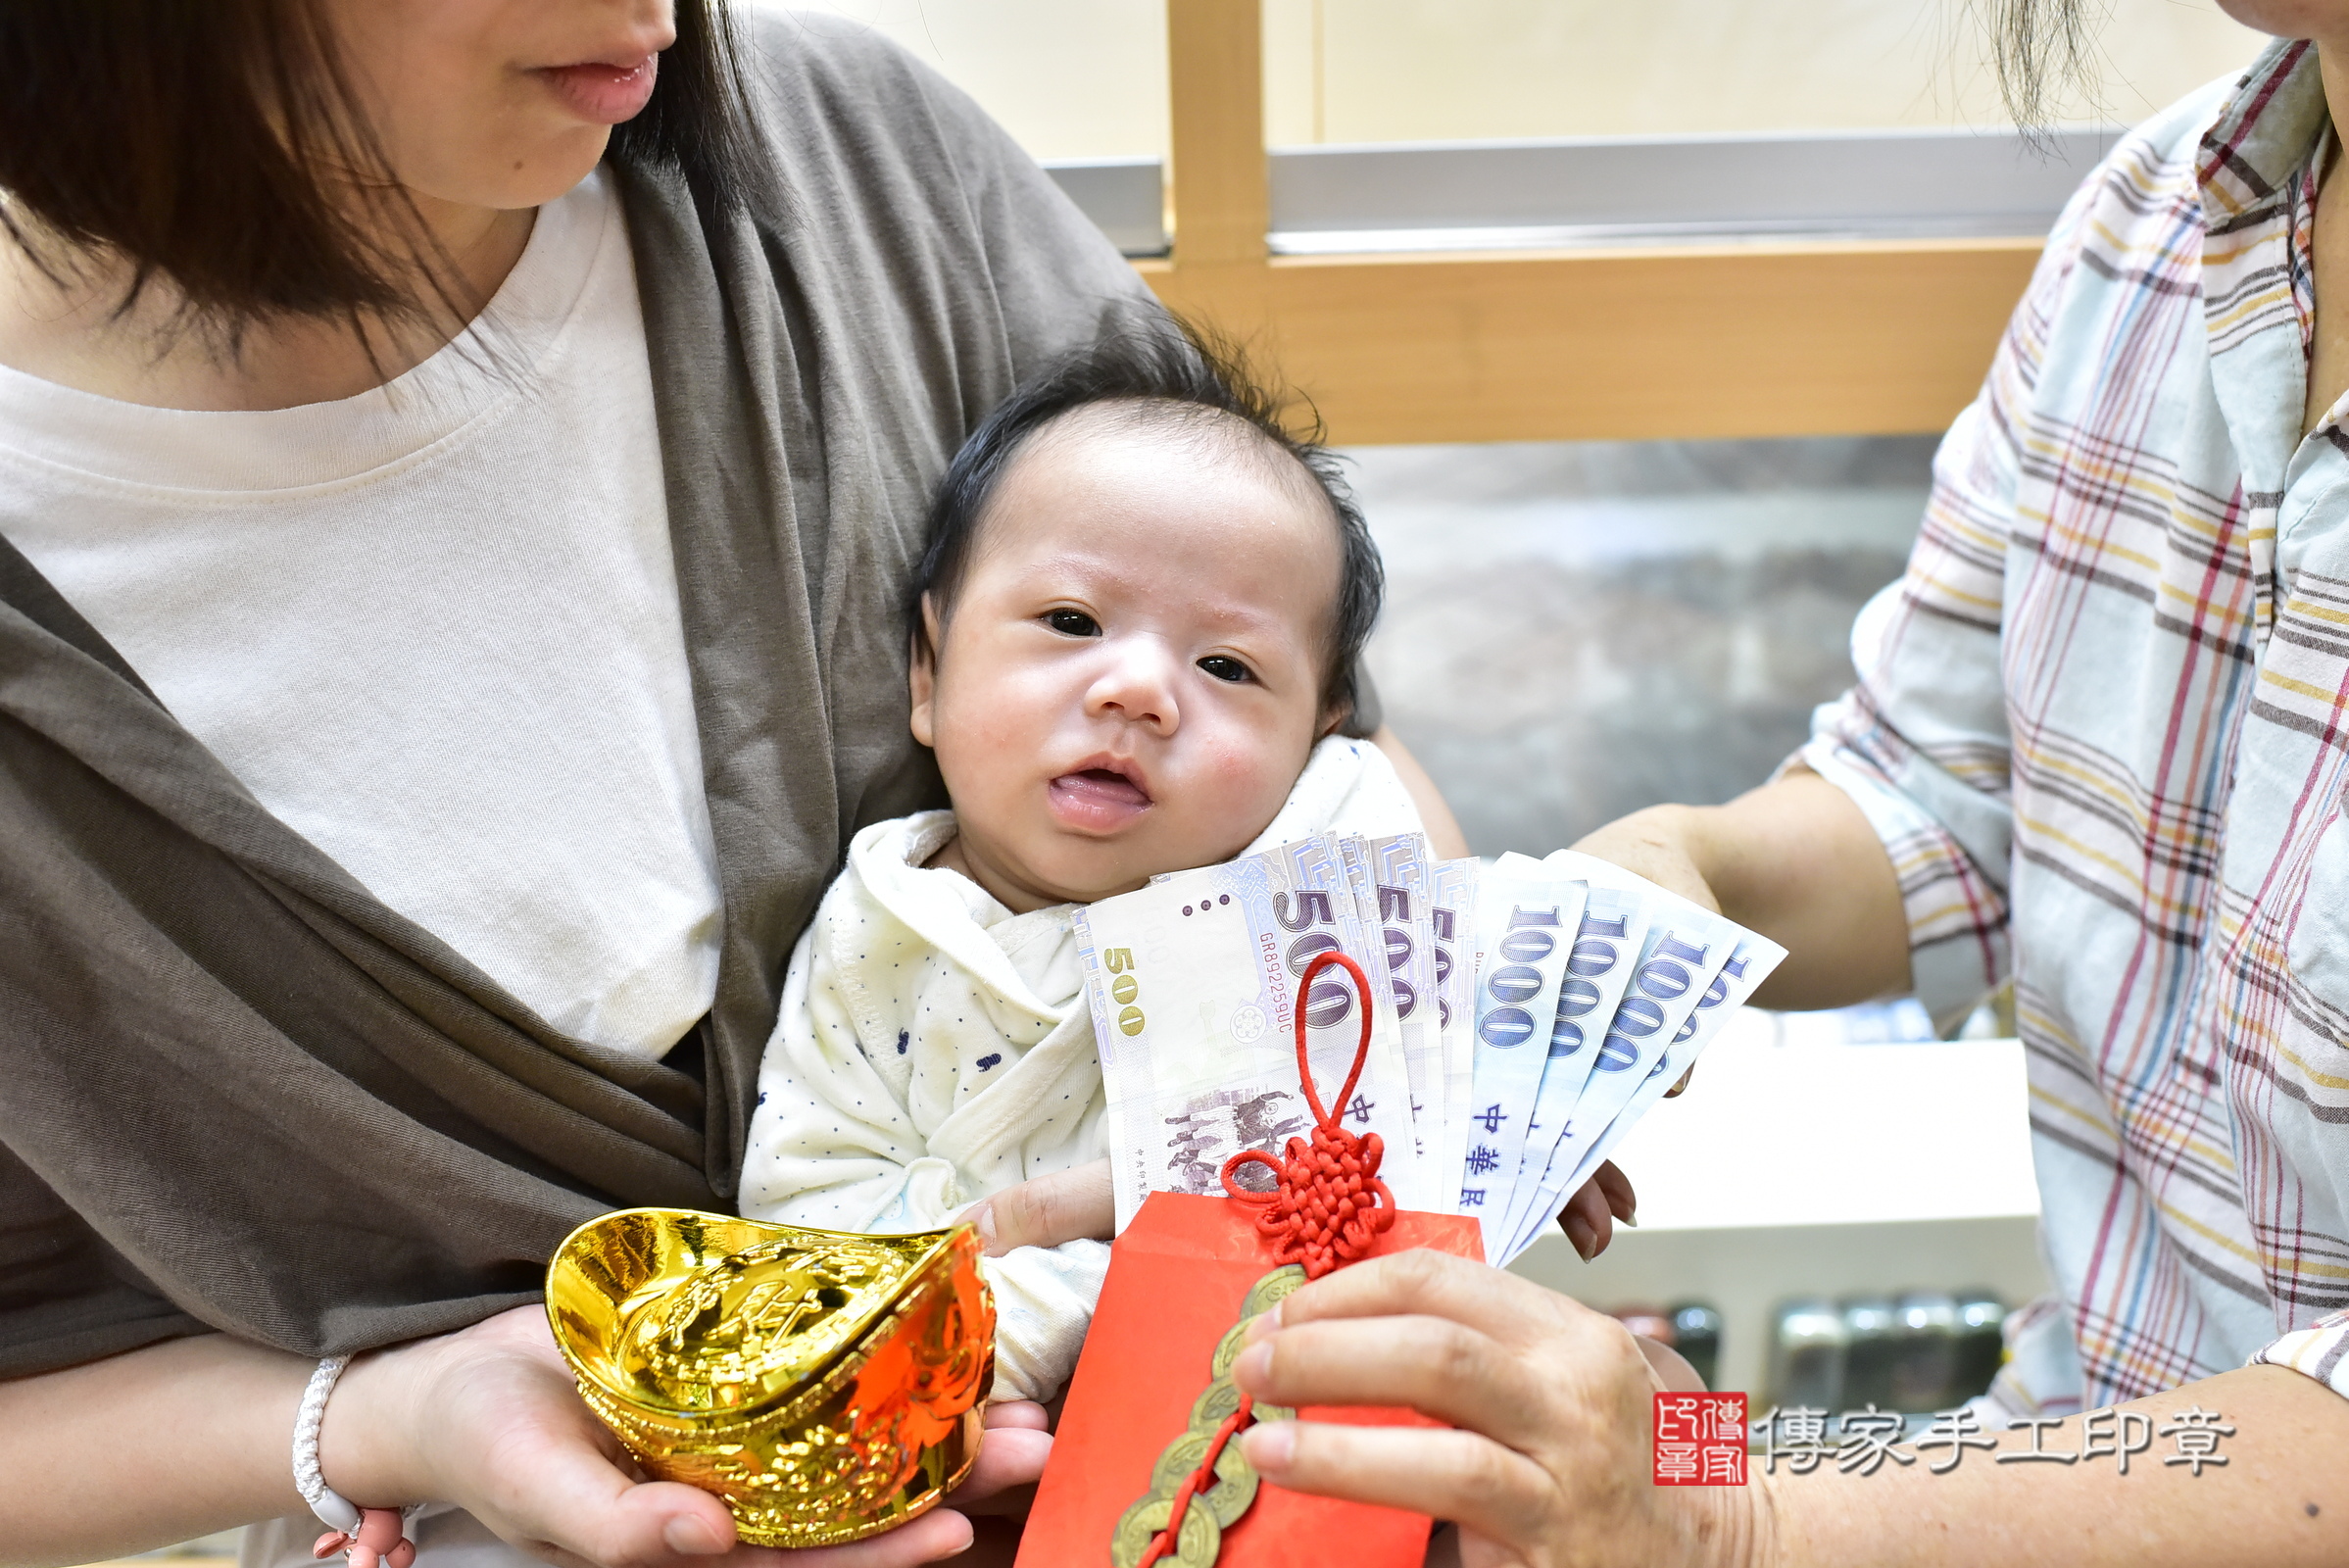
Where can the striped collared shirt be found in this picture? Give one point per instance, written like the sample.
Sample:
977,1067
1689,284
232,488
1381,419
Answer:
2099,727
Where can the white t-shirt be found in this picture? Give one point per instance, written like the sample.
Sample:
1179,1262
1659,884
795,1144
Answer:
433,627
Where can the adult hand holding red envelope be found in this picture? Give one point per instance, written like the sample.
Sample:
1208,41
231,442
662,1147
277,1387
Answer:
1542,1454
1144,1469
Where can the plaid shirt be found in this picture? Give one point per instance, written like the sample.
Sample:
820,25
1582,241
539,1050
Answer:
2099,727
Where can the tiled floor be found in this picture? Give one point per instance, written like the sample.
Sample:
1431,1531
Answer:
1576,631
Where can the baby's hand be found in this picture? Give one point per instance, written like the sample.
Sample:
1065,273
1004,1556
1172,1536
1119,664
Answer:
1070,1206
1590,1215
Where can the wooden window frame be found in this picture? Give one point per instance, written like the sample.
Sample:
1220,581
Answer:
1867,337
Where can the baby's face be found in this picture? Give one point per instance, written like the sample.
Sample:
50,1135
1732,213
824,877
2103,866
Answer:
1129,679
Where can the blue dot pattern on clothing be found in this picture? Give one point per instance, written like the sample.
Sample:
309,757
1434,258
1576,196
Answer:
992,1058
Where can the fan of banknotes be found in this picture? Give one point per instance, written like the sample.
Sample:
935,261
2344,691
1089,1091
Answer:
1524,1015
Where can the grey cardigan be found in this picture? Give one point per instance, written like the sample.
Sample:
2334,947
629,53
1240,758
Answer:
236,1091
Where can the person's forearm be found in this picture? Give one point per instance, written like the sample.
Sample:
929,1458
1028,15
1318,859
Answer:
145,1449
1794,860
182,1440
2280,1498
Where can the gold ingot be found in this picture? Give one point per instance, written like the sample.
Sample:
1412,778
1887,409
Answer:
826,1386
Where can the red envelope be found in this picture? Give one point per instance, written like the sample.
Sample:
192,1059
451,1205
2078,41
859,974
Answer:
1177,1279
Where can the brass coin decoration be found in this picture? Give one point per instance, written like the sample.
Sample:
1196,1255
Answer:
1215,1508
1272,1289
1234,1477
1227,1351
1196,1547
825,1385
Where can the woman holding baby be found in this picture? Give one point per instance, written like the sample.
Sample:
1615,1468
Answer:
465,470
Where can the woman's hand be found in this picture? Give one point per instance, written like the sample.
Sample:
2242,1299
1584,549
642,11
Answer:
488,1418
1551,1464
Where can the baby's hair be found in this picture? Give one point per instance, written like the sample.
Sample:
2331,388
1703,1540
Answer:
1170,373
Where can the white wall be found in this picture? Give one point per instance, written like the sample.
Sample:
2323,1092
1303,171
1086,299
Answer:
1076,79
1071,79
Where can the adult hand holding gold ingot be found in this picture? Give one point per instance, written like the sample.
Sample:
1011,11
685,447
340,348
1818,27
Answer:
826,1386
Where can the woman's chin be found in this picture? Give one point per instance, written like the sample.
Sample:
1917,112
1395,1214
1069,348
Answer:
519,177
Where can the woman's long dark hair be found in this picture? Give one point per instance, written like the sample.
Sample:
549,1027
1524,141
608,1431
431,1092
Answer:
2041,47
192,140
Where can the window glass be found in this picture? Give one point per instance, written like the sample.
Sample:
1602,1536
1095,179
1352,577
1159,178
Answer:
1382,70
1072,79
1087,79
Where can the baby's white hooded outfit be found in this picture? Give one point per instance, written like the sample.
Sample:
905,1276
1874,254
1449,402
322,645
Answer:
934,1048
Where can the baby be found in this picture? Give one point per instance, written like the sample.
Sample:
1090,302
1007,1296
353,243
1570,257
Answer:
1133,645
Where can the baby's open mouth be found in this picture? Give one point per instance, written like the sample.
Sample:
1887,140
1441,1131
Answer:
1101,786
1107,796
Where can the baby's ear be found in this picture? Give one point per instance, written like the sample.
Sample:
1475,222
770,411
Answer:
921,676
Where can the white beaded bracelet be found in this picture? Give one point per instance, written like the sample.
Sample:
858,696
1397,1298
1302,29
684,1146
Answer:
334,1510
370,1538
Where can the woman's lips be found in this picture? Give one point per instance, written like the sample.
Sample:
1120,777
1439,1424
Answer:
1097,799
604,93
